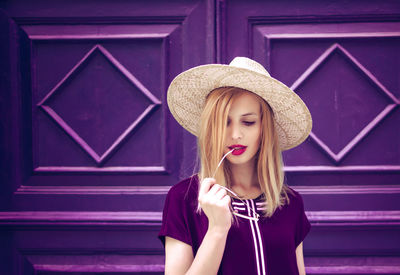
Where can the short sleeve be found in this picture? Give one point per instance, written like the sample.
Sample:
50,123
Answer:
174,221
303,226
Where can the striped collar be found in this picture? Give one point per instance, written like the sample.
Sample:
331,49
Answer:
242,208
259,198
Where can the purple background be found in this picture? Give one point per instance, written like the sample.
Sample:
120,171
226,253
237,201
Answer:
88,149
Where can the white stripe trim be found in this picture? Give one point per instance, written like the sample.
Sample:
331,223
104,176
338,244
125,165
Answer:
239,208
254,239
241,203
261,245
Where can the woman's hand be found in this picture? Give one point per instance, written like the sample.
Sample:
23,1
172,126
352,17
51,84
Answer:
179,258
215,203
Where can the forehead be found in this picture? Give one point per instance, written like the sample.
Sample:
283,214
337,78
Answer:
246,102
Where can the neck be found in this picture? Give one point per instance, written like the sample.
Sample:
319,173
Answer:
245,179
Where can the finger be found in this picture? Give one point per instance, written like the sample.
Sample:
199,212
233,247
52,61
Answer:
205,186
226,200
214,189
220,194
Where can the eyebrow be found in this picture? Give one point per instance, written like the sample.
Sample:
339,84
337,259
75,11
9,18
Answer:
249,114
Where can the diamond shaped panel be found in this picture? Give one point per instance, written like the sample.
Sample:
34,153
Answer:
348,99
99,103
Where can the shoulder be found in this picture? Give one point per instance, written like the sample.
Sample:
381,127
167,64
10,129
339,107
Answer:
292,193
295,197
186,188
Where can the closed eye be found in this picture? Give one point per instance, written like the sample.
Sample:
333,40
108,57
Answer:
248,123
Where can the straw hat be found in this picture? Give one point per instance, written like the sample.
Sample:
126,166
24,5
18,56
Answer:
188,91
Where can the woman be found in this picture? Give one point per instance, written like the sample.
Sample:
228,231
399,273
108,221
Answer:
236,216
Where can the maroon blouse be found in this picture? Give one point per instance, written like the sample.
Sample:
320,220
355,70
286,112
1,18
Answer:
264,247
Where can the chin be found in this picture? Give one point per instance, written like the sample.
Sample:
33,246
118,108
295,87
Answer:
236,160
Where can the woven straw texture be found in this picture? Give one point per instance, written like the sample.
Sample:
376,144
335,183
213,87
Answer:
187,93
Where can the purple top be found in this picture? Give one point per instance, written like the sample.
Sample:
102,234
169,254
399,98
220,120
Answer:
264,247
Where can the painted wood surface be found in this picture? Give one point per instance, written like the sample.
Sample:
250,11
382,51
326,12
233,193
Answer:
88,148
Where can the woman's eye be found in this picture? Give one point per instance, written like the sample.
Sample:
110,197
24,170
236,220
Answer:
248,123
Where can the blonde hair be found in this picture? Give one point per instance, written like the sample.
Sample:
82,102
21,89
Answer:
211,140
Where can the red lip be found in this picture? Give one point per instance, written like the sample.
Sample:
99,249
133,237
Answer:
239,149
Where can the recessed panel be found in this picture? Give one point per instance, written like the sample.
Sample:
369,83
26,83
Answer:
95,99
346,76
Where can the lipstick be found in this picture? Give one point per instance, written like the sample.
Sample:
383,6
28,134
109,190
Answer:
238,149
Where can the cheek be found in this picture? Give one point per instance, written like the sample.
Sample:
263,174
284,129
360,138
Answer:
256,136
227,135
227,139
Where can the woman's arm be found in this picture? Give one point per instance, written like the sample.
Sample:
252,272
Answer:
179,256
300,259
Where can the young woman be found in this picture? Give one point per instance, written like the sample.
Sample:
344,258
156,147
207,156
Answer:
236,215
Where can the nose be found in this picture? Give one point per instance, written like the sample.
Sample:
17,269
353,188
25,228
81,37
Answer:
236,132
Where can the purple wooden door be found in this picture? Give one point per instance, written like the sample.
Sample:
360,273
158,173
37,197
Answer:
343,59
89,149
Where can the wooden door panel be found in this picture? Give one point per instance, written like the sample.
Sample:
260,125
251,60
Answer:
94,148
342,60
89,149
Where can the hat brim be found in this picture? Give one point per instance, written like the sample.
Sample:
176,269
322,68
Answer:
188,91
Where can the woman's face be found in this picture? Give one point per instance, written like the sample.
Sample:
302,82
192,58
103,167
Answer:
243,129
